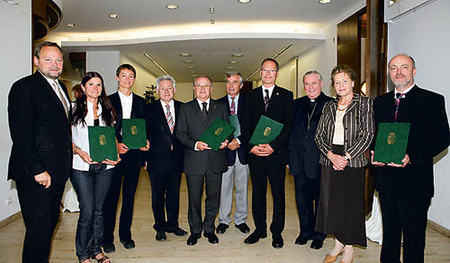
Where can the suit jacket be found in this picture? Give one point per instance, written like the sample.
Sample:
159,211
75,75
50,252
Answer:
191,126
428,136
241,151
280,109
166,151
303,151
40,130
137,112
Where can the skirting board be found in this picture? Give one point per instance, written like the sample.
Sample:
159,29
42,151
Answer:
438,228
10,219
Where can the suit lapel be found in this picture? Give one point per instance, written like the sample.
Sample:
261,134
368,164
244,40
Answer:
52,93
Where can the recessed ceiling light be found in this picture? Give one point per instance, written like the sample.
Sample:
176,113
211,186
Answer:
194,76
192,72
230,67
188,61
185,55
71,25
244,1
325,1
114,15
233,62
237,55
172,7
190,67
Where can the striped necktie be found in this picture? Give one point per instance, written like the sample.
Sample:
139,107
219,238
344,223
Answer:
61,97
398,97
169,119
266,100
233,107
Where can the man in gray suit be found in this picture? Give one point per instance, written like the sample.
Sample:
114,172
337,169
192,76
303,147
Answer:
200,161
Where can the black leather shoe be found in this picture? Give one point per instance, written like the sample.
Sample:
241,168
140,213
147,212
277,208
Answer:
277,241
221,228
160,236
301,240
109,248
254,237
243,228
128,244
212,238
192,240
316,244
177,232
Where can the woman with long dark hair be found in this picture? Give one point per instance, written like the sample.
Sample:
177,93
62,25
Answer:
344,133
91,180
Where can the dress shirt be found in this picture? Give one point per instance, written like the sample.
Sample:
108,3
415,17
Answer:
236,102
51,81
404,92
270,91
338,137
172,108
127,103
207,105
80,136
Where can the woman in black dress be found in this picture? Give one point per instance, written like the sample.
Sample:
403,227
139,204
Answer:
344,133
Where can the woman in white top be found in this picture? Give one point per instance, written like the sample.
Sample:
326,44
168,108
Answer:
91,180
344,133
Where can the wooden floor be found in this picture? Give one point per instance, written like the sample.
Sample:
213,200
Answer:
231,247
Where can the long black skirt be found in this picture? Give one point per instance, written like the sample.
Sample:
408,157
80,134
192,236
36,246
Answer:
341,205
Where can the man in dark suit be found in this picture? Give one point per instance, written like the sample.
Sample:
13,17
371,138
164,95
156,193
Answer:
164,158
237,163
304,157
268,161
126,174
39,114
201,163
406,190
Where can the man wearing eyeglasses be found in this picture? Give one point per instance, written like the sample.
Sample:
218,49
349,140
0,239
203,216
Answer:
268,161
201,163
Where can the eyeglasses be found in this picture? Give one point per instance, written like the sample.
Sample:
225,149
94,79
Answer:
269,70
200,86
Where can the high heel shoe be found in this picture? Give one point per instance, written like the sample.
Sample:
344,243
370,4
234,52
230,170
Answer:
342,261
330,258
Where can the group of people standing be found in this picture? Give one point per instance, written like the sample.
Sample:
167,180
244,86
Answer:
324,142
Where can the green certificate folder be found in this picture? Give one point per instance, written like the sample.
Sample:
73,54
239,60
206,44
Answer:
102,143
266,131
134,134
234,121
392,139
217,132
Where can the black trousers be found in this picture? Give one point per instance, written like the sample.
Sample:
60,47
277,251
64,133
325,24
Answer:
212,182
125,175
261,169
307,192
405,215
165,198
40,211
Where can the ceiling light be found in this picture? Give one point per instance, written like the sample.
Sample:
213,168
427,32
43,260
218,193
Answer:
185,55
71,25
230,67
172,7
244,1
192,72
325,1
190,67
234,62
12,2
188,61
237,55
114,15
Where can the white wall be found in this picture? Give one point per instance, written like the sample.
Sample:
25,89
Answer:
15,29
422,34
143,76
105,63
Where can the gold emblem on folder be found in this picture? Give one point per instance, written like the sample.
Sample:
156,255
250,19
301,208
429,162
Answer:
391,138
267,131
102,139
218,131
134,130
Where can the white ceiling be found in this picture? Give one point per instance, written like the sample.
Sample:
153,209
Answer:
258,29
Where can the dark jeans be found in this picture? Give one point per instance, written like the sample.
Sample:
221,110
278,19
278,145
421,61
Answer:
91,188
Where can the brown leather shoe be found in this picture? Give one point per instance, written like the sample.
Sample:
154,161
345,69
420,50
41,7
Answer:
330,258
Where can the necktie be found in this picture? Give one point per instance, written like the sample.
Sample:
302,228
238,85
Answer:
266,99
233,107
61,97
169,119
204,110
398,97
